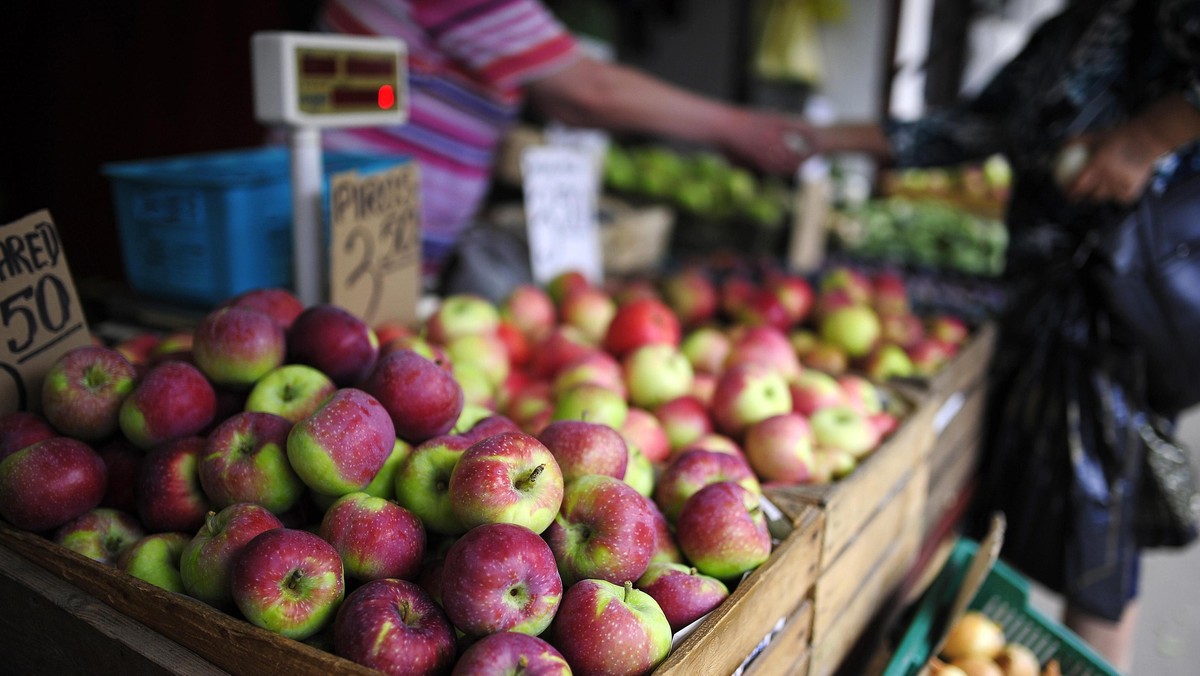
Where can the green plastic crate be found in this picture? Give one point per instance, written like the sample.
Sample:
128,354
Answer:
1004,597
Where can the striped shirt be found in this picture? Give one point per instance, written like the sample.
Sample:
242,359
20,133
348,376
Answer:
467,63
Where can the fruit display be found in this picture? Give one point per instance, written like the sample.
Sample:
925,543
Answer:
976,646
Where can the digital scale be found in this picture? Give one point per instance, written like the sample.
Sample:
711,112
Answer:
306,82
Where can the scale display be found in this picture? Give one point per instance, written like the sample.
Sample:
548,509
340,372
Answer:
316,80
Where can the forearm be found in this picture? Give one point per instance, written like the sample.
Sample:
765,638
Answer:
862,137
1168,123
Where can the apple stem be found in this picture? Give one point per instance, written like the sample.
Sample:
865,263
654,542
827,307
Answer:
533,475
628,590
210,521
522,664
294,579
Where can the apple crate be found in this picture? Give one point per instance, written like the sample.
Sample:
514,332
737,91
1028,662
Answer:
770,608
201,228
873,531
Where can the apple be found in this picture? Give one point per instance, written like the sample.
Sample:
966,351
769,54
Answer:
889,294
855,284
279,304
948,329
665,548
563,345
929,356
207,561
342,446
691,295
830,465
779,449
684,594
506,478
505,580
531,310
485,352
590,310
235,346
288,581
715,442
487,425
827,357
855,329
904,330
655,374
47,484
177,345
764,308
593,403
169,496
173,400
706,348
592,368
844,428
423,482
137,348
123,462
155,559
395,627
422,398
510,652
581,447
684,420
644,432
603,628
516,344
736,292
604,530
418,344
333,340
462,314
375,537
19,429
639,472
694,469
746,394
794,293
813,390
476,386
764,345
887,362
860,393
564,284
83,390
245,459
803,340
101,534
641,322
531,406
292,391
722,530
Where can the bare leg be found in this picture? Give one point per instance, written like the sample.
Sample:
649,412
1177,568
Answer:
1113,640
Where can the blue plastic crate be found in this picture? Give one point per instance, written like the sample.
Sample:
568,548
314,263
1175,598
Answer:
201,228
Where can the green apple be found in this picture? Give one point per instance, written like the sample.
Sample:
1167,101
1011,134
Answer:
292,391
155,559
655,374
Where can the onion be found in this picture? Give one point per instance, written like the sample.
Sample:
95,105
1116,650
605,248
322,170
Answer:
975,634
977,665
1018,660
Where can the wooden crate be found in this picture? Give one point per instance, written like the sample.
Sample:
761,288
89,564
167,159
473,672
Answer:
955,456
221,643
968,369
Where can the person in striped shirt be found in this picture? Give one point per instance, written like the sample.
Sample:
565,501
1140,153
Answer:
472,64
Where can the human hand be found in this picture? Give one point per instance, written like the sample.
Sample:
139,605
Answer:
771,142
1116,166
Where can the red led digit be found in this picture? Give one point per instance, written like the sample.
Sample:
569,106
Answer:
387,97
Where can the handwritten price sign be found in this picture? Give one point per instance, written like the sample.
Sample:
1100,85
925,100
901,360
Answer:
40,315
560,212
375,255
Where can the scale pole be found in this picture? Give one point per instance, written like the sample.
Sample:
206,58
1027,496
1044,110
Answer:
307,176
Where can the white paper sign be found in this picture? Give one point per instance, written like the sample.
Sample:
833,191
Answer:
591,141
560,212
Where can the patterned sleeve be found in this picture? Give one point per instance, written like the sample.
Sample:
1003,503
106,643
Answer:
506,42
1180,24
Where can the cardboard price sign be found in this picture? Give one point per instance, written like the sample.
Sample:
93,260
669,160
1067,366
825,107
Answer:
40,315
375,247
560,212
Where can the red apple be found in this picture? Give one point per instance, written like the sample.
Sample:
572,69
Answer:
844,428
334,341
510,652
19,429
605,530
779,449
827,357
101,534
505,579
531,310
794,293
904,329
123,462
171,401
684,420
889,294
507,478
375,537
563,345
929,356
288,581
342,446
582,448
948,329
722,530
764,345
169,495
137,348
736,292
860,393
603,628
83,391
593,368
245,459
518,347
207,561
855,284
590,310
422,398
641,322
643,431
691,295
47,484
694,469
564,284
746,394
280,305
235,346
706,348
395,627
684,594
813,390
764,308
